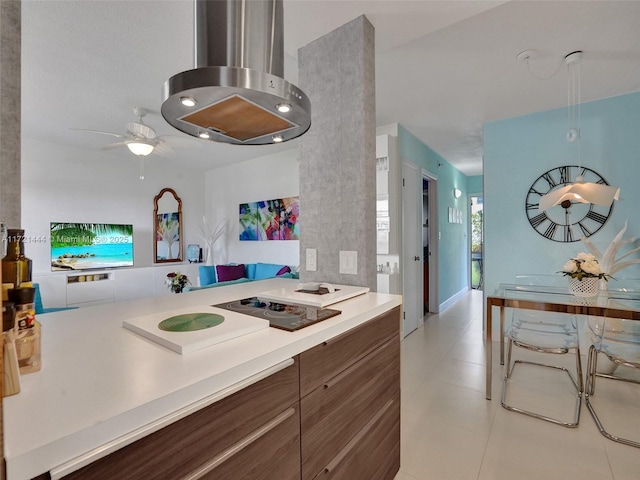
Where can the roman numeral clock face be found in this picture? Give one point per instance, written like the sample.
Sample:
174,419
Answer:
571,220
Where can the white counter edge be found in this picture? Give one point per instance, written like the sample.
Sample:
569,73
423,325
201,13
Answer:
73,451
116,444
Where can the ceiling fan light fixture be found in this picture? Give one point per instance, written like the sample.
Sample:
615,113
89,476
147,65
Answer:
141,148
188,101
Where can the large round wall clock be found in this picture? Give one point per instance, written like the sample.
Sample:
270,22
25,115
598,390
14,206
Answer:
569,221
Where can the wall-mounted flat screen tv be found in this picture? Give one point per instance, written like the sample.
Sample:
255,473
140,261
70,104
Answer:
87,246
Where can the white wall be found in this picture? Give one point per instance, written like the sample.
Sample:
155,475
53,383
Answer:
63,184
264,178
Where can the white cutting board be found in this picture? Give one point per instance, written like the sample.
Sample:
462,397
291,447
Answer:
289,295
234,325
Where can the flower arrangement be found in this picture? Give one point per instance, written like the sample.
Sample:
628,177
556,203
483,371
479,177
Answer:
176,281
583,265
608,260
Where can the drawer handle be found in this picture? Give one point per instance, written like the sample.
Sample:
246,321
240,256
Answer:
239,446
337,337
353,367
355,440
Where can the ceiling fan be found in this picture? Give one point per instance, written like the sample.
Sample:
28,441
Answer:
142,140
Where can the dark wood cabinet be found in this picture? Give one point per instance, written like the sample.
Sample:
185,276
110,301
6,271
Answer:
374,453
357,383
323,362
216,432
274,454
333,414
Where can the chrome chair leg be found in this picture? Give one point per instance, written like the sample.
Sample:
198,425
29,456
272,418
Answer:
579,386
592,365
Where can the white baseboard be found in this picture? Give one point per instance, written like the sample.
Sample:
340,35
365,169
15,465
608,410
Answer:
453,299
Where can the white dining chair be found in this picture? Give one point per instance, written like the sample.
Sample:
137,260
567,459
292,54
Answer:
619,341
545,333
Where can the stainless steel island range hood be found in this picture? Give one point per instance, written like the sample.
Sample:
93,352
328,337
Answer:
237,93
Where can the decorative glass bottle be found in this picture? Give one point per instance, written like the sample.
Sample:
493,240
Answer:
27,329
16,268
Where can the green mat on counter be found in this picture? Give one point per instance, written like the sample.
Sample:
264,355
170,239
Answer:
189,322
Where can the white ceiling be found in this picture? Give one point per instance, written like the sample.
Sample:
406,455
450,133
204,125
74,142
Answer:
443,68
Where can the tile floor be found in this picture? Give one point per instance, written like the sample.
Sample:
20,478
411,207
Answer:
450,431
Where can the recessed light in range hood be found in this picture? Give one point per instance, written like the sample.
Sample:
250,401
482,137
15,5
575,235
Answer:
237,93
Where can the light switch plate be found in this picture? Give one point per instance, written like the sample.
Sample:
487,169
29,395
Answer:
349,262
312,260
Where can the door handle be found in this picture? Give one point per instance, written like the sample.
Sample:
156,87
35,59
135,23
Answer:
416,258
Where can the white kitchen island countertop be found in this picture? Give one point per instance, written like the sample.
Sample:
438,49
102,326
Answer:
100,382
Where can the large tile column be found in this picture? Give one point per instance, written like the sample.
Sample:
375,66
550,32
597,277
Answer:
10,22
338,153
10,28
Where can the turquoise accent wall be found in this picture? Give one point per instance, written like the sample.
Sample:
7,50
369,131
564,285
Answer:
474,184
518,150
453,250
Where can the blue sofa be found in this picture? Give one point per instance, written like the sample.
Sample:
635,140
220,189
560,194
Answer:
220,275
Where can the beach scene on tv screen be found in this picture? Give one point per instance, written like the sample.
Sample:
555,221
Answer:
85,246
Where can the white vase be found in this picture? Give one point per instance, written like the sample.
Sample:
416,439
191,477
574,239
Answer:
587,287
209,260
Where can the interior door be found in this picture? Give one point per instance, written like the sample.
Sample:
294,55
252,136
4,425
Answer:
412,267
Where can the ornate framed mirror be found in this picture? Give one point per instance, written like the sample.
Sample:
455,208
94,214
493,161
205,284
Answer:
167,221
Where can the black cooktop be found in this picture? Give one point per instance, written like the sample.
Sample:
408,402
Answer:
280,315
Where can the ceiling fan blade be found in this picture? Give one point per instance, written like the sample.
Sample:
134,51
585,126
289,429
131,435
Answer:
163,150
111,146
118,135
176,141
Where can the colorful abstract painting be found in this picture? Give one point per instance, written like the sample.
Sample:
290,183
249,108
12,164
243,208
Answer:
270,219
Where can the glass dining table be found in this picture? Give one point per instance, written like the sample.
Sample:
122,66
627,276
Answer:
613,303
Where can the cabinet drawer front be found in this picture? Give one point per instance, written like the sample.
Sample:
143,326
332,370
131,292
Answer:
320,363
275,455
190,442
333,413
374,452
